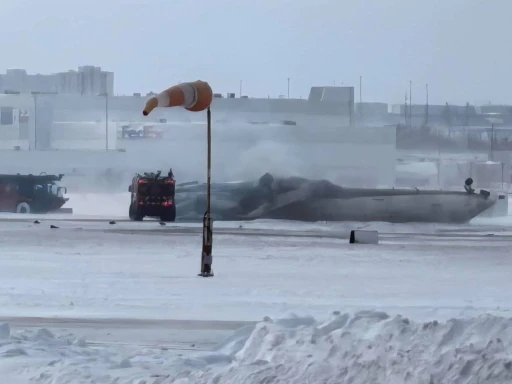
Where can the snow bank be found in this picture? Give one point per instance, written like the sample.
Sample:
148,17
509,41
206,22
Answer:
39,356
365,347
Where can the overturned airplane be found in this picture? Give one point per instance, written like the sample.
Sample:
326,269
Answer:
300,199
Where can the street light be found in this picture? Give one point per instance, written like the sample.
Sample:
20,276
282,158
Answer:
194,96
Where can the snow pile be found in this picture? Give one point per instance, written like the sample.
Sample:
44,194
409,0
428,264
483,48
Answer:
365,347
38,356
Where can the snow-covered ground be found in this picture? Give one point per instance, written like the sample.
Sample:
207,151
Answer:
361,348
93,302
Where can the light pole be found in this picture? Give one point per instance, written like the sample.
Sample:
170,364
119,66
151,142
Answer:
426,106
361,97
410,103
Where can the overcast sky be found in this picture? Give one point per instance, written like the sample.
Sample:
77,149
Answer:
461,48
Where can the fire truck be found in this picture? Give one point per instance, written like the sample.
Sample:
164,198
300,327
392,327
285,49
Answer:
152,195
32,193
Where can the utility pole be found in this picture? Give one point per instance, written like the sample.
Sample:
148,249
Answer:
106,122
426,106
405,110
493,138
410,103
361,97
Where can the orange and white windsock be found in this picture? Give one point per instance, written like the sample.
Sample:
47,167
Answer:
193,96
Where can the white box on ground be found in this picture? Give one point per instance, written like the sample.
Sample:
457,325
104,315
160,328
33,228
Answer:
364,237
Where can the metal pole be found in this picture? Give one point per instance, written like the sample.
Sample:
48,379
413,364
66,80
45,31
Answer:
361,96
406,121
206,254
426,109
35,121
209,160
439,157
502,176
410,102
106,122
492,142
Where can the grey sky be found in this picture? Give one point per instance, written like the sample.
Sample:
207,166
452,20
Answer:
462,48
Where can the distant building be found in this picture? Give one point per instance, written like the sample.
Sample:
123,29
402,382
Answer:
87,80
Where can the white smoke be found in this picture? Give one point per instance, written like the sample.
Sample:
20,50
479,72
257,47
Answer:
267,156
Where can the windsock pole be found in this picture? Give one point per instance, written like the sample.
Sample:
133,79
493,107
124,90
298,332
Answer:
195,97
206,254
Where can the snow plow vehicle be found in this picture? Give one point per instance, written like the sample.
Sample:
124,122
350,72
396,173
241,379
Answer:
32,194
152,195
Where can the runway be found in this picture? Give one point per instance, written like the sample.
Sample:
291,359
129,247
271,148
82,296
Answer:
387,232
139,248
93,298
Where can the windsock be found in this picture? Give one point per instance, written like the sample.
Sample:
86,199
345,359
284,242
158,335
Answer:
193,96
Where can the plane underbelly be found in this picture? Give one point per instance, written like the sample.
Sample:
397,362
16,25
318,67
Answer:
407,208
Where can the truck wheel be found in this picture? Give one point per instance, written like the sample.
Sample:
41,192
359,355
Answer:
23,208
134,215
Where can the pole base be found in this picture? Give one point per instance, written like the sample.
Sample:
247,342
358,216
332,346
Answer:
206,254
